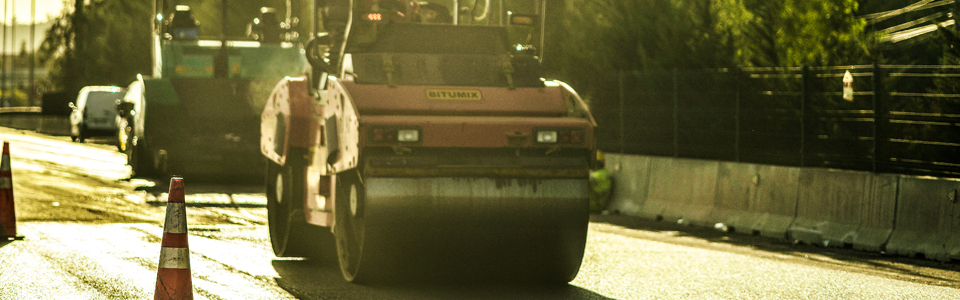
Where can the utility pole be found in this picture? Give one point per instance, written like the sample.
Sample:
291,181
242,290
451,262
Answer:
13,48
3,63
79,41
33,50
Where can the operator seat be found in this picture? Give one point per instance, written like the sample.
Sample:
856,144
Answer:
267,28
182,25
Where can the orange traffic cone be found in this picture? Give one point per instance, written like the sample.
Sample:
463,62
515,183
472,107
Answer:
8,216
173,274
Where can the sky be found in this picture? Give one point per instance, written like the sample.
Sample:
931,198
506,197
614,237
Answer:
46,9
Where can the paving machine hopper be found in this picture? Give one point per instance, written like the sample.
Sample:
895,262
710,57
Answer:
198,113
425,144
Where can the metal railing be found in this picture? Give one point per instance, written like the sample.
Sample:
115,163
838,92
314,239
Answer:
900,119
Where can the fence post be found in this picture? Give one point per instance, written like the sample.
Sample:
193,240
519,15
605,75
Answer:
676,115
804,98
879,118
736,142
622,132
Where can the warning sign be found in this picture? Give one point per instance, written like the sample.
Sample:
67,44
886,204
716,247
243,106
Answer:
848,86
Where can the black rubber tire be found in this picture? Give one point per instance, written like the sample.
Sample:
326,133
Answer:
73,137
290,234
140,159
356,261
82,137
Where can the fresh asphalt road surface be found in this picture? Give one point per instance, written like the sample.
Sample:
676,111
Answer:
93,233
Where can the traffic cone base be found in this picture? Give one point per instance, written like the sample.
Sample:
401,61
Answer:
174,284
8,214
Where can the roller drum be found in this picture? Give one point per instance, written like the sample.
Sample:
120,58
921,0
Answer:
446,228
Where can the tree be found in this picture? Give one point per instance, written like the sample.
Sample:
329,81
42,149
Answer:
110,48
600,36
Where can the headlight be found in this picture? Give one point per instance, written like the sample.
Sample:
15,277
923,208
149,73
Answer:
547,137
392,135
560,136
408,135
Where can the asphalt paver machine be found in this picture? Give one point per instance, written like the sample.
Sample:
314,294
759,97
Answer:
198,113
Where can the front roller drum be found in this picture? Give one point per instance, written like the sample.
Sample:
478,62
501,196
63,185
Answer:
461,229
290,235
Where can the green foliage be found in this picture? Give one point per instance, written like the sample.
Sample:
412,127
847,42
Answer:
604,35
116,45
644,34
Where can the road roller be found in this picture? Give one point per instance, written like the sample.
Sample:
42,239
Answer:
423,144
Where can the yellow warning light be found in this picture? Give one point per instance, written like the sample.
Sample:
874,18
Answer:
521,19
374,17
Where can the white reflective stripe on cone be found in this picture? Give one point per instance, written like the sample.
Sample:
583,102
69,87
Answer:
174,258
6,183
176,221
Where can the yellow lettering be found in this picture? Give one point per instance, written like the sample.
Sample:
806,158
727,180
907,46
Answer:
461,95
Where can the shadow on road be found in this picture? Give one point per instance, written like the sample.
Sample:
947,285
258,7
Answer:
224,194
316,280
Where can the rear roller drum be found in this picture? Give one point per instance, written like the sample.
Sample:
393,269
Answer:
290,234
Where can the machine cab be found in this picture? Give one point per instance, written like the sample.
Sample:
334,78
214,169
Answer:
501,36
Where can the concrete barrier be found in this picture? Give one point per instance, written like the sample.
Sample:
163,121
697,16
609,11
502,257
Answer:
663,188
30,118
878,213
844,208
27,118
54,125
631,174
756,199
928,219
681,189
898,214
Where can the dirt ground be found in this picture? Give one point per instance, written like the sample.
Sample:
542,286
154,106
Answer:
57,180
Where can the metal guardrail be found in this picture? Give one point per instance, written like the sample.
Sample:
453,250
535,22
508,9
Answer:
900,119
20,109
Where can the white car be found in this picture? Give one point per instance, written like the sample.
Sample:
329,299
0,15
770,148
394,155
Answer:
95,112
